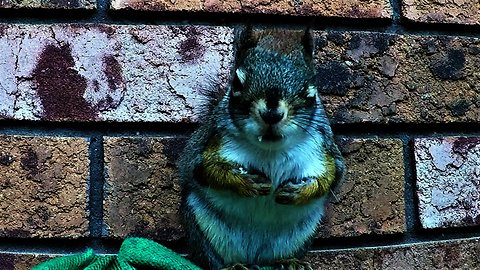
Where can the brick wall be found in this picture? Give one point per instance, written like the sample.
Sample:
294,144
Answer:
97,98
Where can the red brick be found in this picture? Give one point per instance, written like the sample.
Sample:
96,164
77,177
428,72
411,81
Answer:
455,254
336,8
370,200
384,78
110,72
442,11
131,74
148,206
448,181
43,187
142,193
38,4
18,261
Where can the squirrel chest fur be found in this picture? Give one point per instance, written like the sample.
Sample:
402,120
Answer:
256,174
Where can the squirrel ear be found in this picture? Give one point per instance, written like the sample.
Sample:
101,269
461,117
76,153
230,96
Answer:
307,42
241,75
244,40
238,81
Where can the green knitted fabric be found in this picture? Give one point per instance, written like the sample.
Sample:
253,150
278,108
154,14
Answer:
134,253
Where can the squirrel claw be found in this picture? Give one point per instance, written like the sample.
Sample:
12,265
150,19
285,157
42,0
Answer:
292,193
258,182
262,188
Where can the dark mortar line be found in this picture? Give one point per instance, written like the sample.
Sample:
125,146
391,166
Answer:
412,220
92,129
155,129
103,15
102,11
57,246
96,186
47,16
396,26
397,11
420,237
111,246
445,29
69,246
397,130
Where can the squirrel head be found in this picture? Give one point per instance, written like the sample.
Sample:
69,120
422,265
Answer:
273,98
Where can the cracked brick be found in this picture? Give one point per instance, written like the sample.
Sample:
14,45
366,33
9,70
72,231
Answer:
142,193
349,8
110,73
370,200
43,187
448,181
442,11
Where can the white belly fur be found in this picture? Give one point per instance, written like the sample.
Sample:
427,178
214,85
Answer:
258,229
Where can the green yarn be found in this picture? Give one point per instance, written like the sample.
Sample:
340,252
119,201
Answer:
134,253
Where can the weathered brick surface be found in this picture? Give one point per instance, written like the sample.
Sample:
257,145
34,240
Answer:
370,200
142,190
155,73
458,255
143,193
448,181
336,8
98,72
43,187
442,11
51,4
17,261
383,78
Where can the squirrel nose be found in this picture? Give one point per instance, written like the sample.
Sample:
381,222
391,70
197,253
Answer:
271,117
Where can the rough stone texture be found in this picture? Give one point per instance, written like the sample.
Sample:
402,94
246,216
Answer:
43,187
102,73
49,4
142,190
17,261
442,11
143,193
370,200
336,8
156,73
383,78
458,255
448,181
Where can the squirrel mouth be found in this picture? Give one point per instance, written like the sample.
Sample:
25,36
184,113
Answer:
270,136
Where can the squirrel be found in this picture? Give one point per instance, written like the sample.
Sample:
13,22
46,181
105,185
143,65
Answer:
257,172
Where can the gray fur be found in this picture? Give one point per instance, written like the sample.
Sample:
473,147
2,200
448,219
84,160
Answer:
265,69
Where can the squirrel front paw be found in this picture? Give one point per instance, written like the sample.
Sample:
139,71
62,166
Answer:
255,182
296,192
